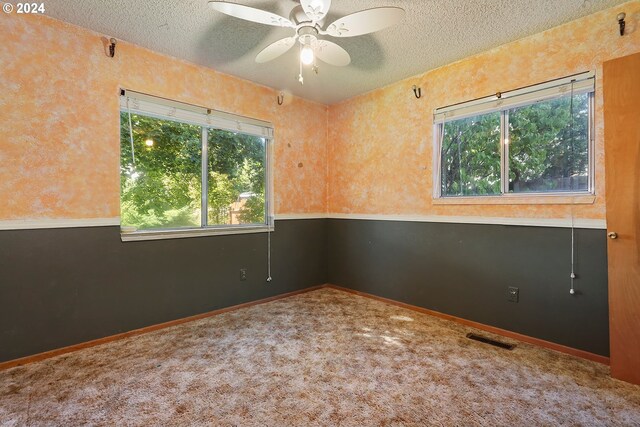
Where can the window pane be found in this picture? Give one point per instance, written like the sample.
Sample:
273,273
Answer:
162,189
547,151
470,159
236,167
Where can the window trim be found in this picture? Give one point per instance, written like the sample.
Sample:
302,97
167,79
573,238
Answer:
582,83
182,233
166,109
547,91
206,118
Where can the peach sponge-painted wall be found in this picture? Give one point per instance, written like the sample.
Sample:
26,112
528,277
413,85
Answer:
59,126
381,143
59,141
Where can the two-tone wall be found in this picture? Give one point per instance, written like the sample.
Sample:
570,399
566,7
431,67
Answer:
59,167
390,237
353,194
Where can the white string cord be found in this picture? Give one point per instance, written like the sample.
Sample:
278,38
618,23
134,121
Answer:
269,255
573,275
573,246
133,155
440,147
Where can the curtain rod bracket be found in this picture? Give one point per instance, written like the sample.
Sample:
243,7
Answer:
112,47
417,91
621,22
280,98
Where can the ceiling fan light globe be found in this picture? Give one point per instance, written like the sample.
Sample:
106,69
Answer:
306,55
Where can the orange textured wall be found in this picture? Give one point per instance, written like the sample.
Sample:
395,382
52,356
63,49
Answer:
59,121
59,142
381,143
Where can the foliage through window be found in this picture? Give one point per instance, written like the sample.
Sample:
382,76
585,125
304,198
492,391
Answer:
549,149
471,156
538,146
162,170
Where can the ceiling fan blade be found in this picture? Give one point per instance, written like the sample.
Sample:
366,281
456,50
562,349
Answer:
331,53
250,14
365,22
275,49
316,9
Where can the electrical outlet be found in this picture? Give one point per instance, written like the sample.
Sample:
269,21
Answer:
513,294
243,274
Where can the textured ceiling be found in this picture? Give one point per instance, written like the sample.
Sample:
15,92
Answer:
433,33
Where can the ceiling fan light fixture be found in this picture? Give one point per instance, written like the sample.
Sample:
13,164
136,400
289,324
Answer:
309,29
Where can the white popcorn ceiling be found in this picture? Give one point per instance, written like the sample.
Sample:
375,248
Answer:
433,33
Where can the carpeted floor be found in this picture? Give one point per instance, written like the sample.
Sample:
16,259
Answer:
322,358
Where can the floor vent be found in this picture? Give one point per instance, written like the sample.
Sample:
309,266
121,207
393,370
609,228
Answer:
490,341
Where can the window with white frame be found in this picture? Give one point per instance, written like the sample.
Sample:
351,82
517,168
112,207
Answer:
535,140
187,170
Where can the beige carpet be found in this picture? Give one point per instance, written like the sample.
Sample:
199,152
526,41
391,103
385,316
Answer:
322,358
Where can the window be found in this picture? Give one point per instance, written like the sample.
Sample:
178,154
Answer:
188,171
530,141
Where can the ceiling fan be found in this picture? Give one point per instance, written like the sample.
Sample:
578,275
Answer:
308,20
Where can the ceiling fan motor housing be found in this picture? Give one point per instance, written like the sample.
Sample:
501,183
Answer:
308,35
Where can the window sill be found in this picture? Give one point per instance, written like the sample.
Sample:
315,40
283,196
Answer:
524,199
134,236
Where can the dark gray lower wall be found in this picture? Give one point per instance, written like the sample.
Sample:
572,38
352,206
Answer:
65,286
464,270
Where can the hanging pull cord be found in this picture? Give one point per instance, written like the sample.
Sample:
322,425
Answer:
269,255
573,246
572,275
571,126
133,154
